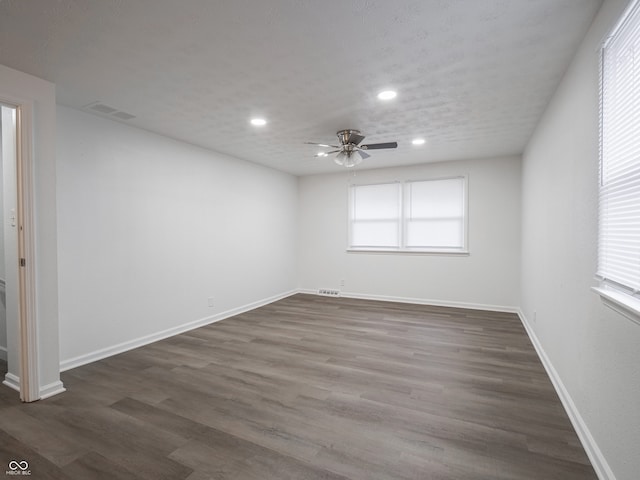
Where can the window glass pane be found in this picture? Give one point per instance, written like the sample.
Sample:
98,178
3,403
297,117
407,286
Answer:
435,233
376,201
435,199
374,234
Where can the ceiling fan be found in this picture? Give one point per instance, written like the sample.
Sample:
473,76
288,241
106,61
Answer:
350,153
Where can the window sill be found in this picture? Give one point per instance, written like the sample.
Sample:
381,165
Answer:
454,253
622,303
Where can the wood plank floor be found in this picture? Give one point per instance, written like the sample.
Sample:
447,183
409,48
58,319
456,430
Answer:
308,388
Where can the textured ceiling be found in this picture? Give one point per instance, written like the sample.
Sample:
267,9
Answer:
473,76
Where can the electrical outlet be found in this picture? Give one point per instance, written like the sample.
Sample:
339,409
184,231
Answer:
342,282
210,300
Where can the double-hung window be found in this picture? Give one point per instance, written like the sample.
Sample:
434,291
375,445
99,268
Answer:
412,216
619,202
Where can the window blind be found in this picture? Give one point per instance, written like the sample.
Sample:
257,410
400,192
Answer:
418,216
619,202
435,213
375,216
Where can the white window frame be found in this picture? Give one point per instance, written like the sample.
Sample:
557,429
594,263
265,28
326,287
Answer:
624,299
402,221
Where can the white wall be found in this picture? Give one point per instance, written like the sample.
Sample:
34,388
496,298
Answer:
488,277
595,352
22,88
150,227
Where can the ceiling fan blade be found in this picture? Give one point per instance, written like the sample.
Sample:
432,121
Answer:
322,145
355,138
324,154
378,146
363,154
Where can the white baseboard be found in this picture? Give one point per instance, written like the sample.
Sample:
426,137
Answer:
11,381
422,301
170,332
3,353
600,465
52,389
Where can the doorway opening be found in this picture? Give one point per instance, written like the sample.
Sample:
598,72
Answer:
8,143
18,340
3,281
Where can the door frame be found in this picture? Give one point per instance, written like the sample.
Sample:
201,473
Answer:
29,385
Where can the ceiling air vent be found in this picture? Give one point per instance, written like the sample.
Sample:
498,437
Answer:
102,108
107,110
124,115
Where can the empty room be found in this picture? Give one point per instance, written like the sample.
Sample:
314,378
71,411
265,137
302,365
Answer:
340,240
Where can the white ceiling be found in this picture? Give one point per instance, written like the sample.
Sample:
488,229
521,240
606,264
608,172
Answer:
473,76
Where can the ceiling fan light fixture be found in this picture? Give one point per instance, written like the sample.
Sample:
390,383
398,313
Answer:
387,95
347,160
258,122
418,141
352,161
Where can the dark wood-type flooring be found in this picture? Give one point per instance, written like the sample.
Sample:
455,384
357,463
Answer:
308,388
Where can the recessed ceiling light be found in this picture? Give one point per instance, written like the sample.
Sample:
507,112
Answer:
418,141
321,154
258,122
387,95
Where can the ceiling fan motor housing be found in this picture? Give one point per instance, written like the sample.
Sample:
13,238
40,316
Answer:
347,137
